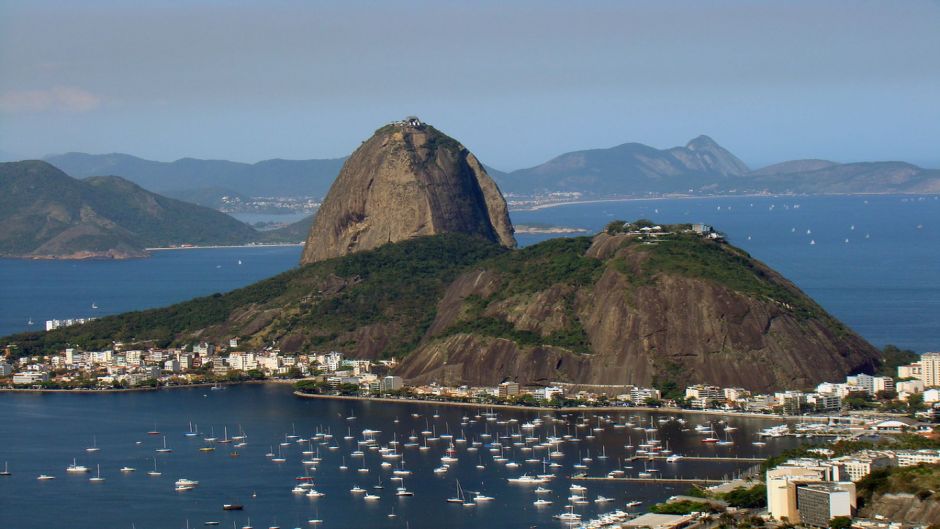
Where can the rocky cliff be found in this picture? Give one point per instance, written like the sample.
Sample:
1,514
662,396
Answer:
407,180
625,310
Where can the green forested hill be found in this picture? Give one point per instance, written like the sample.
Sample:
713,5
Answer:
46,213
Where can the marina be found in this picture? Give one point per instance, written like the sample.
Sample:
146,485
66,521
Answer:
343,462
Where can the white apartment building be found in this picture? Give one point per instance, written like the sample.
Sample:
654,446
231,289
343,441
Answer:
30,377
702,396
931,396
930,364
99,357
859,465
331,360
824,402
734,394
909,458
134,358
869,384
915,370
641,395
242,361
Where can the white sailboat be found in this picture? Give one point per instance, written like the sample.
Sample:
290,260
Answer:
154,472
97,478
163,450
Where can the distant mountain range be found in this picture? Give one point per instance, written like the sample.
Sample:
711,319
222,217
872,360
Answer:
193,177
702,166
45,213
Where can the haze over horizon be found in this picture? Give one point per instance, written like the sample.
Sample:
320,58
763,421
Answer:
517,84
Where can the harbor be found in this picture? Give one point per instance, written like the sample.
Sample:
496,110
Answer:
257,451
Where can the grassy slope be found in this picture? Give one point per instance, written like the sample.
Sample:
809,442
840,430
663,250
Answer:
530,270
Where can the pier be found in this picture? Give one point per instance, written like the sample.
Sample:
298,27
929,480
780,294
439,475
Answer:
700,458
690,481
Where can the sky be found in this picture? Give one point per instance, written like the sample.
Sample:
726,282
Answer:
516,82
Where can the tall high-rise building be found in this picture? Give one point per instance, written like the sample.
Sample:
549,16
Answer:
930,364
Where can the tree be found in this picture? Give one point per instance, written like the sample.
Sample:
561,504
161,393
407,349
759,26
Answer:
886,394
915,402
841,522
857,400
755,496
614,227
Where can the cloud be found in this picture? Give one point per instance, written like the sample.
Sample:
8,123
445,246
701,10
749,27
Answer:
57,99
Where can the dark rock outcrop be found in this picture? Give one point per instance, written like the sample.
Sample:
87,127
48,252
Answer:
407,180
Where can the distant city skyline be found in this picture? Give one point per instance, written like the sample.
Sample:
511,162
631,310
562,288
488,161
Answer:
517,83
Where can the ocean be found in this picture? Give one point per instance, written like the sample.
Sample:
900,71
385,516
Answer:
872,261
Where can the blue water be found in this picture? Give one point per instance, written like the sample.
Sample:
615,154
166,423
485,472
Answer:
43,433
886,286
285,218
45,290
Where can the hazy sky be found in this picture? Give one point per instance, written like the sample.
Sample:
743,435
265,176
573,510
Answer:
517,83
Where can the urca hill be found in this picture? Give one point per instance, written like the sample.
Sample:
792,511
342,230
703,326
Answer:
636,304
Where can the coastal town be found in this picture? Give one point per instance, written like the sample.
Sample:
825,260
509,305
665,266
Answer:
914,393
812,486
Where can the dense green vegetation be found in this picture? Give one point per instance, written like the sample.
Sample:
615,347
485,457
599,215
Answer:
396,283
527,271
540,266
892,358
741,497
670,380
682,507
295,232
922,480
690,255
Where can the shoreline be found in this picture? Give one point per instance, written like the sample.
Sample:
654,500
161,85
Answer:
209,247
706,197
391,400
539,409
79,391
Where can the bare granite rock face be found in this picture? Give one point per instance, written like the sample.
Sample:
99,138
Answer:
407,180
673,326
905,508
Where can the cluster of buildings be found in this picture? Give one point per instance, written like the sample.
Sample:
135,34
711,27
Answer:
811,492
702,396
200,362
921,377
289,204
52,325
